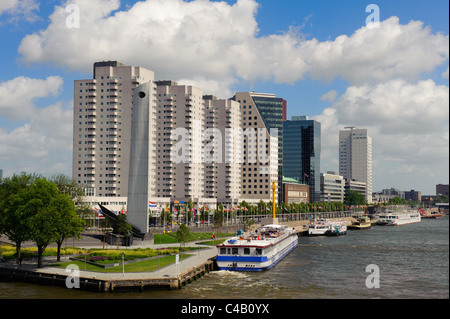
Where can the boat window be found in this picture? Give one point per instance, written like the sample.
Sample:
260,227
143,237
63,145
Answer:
234,251
223,251
258,251
229,251
246,251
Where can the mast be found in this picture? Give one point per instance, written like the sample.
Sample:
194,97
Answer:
273,199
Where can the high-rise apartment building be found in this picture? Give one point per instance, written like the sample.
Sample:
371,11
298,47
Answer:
223,150
355,157
181,122
261,114
102,127
301,153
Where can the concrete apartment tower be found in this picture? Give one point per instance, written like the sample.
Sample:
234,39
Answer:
142,172
181,121
102,127
222,150
355,157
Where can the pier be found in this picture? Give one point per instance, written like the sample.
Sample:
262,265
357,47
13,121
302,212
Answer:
170,277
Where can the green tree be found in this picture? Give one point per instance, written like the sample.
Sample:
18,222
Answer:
14,209
182,234
396,200
121,227
45,203
70,223
355,198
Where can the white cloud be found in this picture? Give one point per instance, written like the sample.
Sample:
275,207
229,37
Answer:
215,40
17,9
17,96
407,122
44,133
329,96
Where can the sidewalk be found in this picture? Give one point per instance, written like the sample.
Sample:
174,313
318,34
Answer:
170,271
198,257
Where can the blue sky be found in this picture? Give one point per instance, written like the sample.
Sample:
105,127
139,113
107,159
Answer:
299,50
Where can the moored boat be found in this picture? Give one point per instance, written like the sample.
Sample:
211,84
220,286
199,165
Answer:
325,227
259,251
398,218
361,223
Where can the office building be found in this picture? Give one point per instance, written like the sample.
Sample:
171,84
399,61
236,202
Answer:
262,118
332,187
355,157
413,195
301,153
442,189
294,192
102,127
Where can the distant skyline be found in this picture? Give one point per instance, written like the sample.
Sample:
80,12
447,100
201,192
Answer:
318,55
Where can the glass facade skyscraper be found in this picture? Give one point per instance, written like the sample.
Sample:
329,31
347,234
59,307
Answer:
301,153
271,110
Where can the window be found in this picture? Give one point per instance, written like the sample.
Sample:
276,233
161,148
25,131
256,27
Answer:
234,251
246,251
258,251
223,251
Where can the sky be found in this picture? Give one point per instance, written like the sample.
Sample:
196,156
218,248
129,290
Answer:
321,56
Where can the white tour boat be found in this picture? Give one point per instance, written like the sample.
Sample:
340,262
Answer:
325,227
259,251
398,218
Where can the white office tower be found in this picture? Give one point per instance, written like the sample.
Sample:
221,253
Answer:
102,127
260,151
141,183
355,157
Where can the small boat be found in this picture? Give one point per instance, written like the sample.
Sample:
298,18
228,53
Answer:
432,215
398,218
325,227
337,228
259,251
318,227
361,223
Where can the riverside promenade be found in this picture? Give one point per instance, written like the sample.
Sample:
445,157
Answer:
173,276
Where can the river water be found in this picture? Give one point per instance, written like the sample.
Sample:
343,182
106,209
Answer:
413,263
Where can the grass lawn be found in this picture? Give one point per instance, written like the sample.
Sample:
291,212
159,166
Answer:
169,238
140,266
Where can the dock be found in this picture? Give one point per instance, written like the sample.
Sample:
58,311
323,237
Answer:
170,277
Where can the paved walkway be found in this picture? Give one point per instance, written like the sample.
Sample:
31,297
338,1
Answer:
171,271
198,257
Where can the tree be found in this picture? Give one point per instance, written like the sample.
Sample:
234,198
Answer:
355,198
218,219
14,209
70,223
44,204
182,234
396,200
121,227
